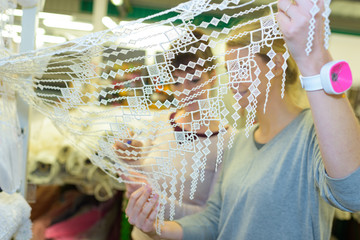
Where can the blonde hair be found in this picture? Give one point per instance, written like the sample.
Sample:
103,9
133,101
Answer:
249,33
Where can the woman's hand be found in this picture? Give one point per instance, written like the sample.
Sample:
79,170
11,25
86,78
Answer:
336,126
132,146
142,209
136,181
294,20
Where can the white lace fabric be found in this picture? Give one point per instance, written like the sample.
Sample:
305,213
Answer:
73,85
10,141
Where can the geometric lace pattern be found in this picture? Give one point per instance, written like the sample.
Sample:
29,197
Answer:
75,85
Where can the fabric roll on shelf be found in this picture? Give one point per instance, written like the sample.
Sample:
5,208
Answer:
11,168
62,162
15,217
64,153
103,191
43,168
103,188
75,162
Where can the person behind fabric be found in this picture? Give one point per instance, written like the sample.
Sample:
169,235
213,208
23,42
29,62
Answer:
306,161
180,120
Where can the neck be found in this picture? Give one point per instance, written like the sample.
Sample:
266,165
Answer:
279,113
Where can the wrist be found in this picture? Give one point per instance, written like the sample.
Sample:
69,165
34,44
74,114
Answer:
311,65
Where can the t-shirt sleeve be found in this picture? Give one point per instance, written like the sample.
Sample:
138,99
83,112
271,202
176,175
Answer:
343,193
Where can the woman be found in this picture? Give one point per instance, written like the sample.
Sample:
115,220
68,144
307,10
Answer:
296,162
166,146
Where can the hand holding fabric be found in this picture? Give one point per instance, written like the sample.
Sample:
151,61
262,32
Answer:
134,182
142,209
131,145
294,19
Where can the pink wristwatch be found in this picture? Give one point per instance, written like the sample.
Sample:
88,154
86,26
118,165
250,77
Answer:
335,78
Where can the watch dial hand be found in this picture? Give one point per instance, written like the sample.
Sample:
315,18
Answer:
334,77
336,73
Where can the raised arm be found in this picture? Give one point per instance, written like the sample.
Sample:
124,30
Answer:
337,128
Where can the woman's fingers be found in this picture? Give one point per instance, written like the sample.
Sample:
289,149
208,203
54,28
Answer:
142,209
294,8
136,144
149,225
128,149
299,31
127,143
294,16
149,209
283,20
130,188
152,216
134,177
132,200
129,177
290,16
136,203
133,181
138,175
286,7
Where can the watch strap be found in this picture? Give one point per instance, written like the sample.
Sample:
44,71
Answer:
311,83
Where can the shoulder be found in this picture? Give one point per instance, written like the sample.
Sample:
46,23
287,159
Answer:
306,116
303,124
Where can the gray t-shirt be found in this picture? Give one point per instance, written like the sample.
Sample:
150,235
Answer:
280,191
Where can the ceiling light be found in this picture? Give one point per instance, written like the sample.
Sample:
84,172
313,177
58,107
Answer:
18,29
13,28
43,15
50,39
39,37
68,25
53,16
4,17
108,22
117,2
7,34
15,12
17,39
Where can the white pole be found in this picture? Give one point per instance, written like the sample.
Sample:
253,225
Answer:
100,8
29,24
99,11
